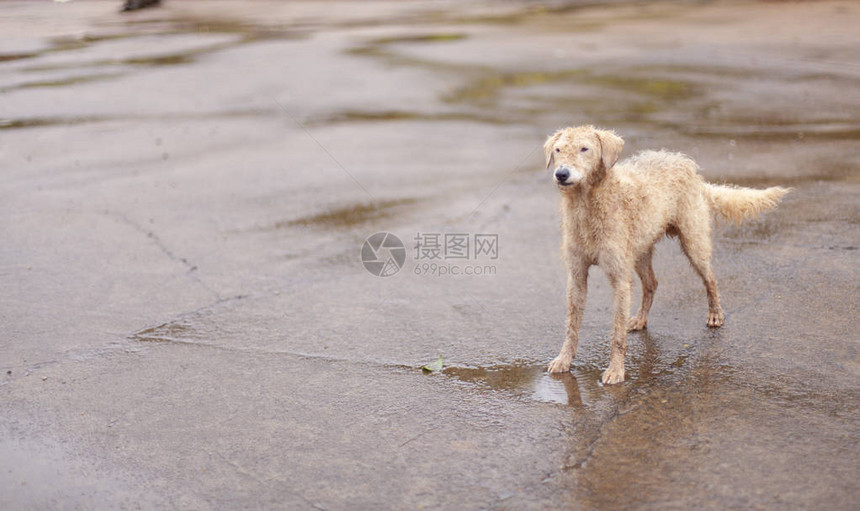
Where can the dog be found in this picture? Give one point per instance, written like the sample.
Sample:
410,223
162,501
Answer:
613,213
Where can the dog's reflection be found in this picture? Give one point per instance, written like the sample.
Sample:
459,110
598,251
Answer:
530,380
559,388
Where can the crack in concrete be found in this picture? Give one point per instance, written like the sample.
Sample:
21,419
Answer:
260,351
159,243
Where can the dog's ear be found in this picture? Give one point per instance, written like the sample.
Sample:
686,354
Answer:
547,146
610,146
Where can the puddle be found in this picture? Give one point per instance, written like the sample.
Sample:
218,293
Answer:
483,86
63,82
704,73
349,216
529,14
573,16
379,49
36,122
488,88
68,43
775,131
530,381
6,57
349,116
177,331
652,361
393,58
169,59
421,38
165,60
660,88
632,95
247,33
160,60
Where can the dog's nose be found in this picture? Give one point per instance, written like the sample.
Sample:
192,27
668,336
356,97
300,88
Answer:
561,174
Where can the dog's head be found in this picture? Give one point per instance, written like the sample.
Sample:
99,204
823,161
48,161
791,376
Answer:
581,155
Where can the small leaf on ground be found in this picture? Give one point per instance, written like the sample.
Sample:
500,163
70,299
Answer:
433,367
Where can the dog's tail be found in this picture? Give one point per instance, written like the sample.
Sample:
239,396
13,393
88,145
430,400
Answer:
737,203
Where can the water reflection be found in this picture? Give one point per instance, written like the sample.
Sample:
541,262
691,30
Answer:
558,388
649,364
529,381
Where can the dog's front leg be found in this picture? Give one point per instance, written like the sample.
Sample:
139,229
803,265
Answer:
620,281
577,288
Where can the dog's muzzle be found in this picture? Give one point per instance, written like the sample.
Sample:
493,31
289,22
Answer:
565,175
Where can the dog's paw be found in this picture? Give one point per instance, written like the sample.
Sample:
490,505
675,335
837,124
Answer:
716,319
636,323
613,375
559,365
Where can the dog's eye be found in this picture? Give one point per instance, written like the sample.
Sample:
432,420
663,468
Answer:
583,149
557,150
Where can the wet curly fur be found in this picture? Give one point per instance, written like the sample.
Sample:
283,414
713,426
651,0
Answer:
614,213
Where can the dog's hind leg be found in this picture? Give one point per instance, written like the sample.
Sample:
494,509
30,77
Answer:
577,288
649,285
696,244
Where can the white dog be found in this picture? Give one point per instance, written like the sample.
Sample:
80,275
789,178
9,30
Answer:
614,214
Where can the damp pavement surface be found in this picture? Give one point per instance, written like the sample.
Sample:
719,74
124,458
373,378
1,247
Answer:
187,323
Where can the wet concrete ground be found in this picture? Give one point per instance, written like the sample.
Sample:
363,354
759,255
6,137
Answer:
187,322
